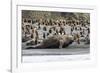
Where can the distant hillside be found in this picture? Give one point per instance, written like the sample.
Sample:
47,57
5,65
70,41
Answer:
55,15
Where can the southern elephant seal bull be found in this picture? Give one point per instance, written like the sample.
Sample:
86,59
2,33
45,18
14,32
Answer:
57,41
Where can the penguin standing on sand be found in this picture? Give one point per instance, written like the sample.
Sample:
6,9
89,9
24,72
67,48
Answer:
34,35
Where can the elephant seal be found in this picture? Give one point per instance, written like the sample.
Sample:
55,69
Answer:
57,41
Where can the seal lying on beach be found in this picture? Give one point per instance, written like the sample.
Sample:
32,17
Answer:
57,41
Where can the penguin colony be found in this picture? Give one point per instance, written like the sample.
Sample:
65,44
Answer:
58,33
